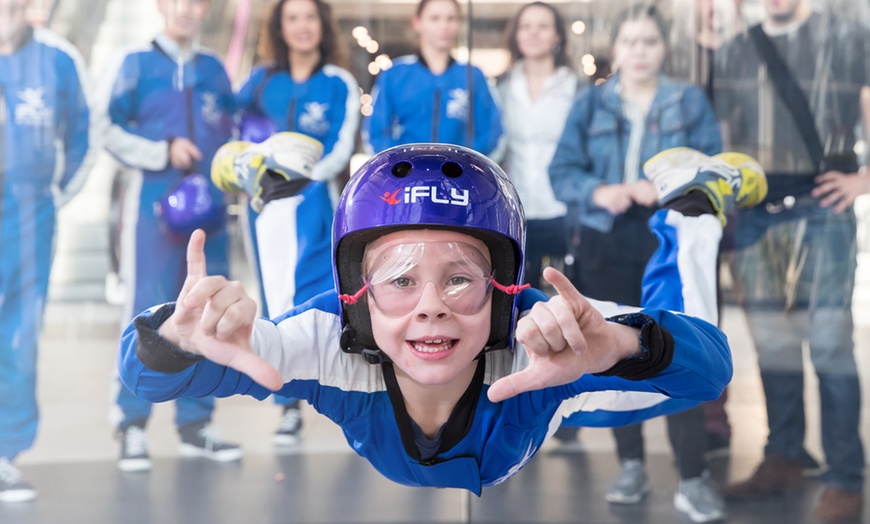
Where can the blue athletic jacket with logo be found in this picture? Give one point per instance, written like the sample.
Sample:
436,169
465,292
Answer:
43,102
411,104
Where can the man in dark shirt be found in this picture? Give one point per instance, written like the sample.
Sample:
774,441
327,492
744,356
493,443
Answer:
794,258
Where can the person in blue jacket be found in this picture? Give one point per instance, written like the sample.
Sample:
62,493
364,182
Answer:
302,89
430,97
413,354
170,106
612,129
44,101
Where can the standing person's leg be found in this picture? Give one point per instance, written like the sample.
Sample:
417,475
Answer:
293,240
27,222
760,273
143,267
830,282
632,484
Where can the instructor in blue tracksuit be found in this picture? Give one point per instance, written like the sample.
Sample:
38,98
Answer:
171,107
43,103
301,89
426,97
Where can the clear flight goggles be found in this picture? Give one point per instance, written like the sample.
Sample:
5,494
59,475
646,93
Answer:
397,277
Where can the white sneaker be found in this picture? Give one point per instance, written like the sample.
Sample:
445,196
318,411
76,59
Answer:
697,499
289,428
201,439
631,486
12,488
134,449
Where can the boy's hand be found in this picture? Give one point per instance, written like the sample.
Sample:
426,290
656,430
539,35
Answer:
214,318
565,338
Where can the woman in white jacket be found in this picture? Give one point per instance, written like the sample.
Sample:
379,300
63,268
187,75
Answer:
537,93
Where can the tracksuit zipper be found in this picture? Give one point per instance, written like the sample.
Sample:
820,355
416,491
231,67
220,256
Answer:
436,116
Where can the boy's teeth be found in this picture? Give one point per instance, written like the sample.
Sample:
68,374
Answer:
444,345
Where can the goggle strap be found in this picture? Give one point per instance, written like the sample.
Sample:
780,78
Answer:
352,299
512,289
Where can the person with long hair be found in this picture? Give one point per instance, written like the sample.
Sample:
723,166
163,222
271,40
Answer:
611,131
301,88
537,93
430,96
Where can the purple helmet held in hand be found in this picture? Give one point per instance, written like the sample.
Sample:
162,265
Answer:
188,206
428,186
256,128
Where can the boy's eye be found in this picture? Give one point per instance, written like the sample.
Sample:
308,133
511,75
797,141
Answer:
456,281
402,282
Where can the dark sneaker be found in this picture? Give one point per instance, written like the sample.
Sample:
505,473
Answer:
728,179
699,501
289,428
134,449
775,476
839,505
12,488
201,439
631,486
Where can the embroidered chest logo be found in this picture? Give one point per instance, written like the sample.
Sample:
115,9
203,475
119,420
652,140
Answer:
313,121
457,104
32,111
211,112
413,195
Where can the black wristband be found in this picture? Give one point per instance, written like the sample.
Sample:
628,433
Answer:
656,342
154,351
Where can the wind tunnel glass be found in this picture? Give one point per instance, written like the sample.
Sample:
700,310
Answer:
398,276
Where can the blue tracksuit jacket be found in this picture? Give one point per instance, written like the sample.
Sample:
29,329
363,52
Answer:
152,94
324,107
44,110
411,104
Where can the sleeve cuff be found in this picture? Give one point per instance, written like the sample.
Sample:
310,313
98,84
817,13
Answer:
657,345
154,351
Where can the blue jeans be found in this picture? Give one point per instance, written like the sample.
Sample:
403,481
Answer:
795,284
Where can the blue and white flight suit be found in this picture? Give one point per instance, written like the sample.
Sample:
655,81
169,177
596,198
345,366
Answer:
412,104
153,94
497,439
44,111
291,236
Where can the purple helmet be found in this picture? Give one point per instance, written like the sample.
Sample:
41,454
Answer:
428,186
189,205
256,128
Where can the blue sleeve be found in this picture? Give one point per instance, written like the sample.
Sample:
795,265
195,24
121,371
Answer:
571,170
77,124
341,138
202,379
487,116
705,134
377,128
246,97
700,370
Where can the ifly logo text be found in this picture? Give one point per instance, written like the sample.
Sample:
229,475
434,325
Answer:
413,195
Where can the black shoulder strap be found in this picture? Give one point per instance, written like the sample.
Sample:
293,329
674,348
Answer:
788,89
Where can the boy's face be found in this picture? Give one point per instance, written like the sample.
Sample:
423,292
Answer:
430,302
183,17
